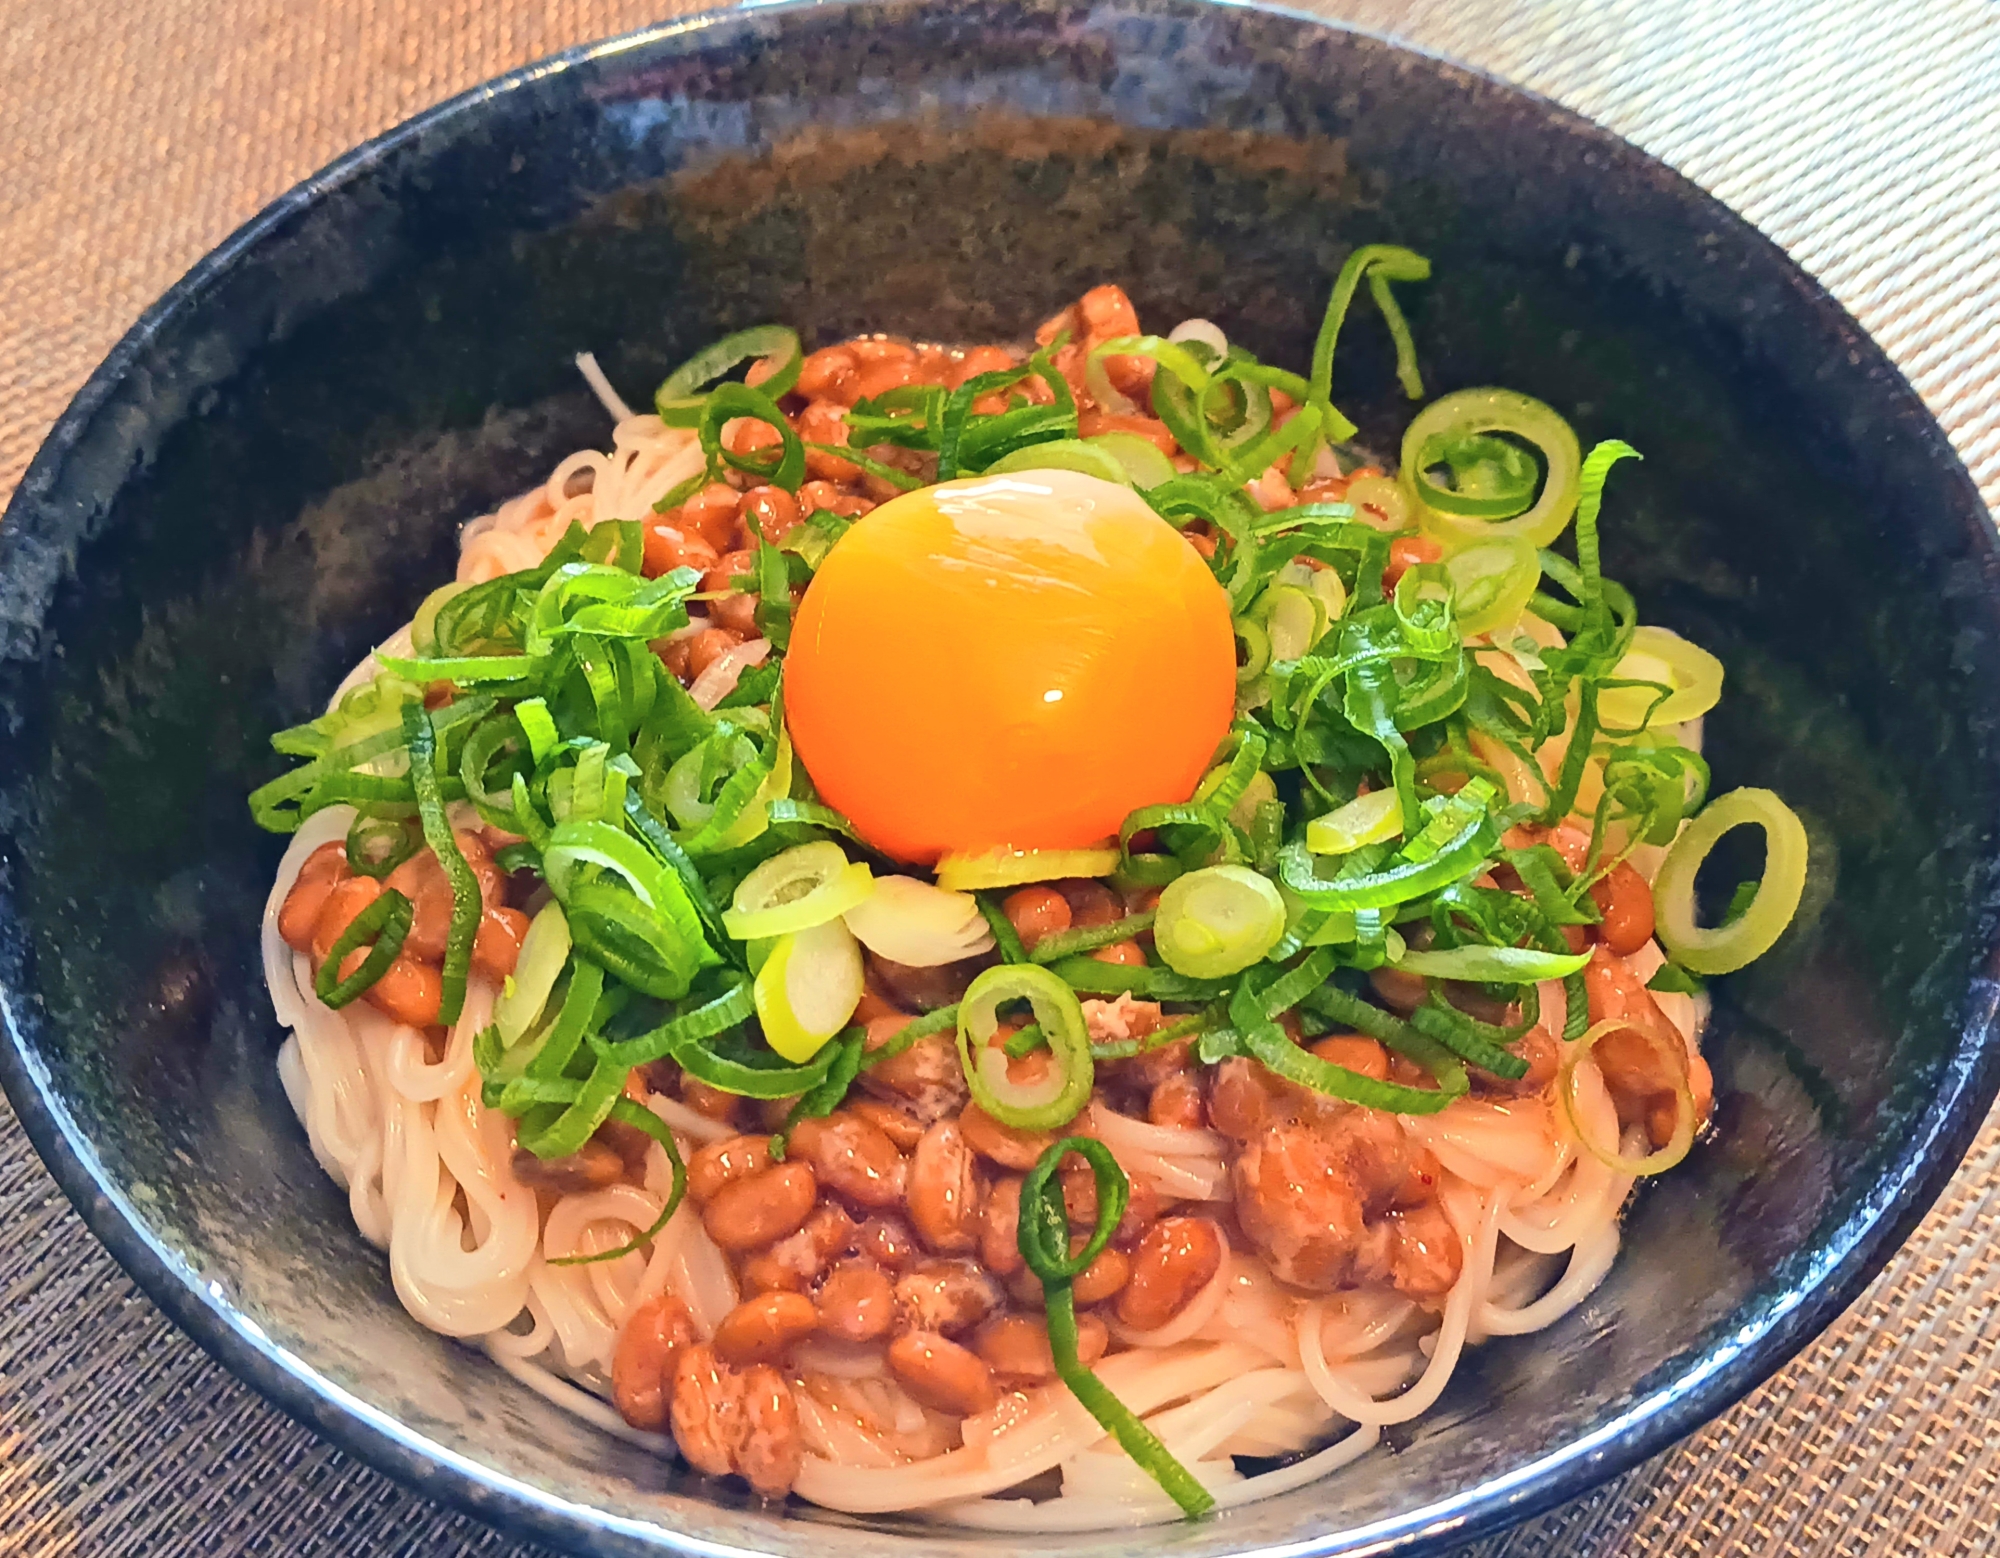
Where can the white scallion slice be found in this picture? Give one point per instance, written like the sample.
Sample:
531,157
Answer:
1384,496
1367,819
808,989
544,951
1144,465
423,626
1726,948
1293,620
796,890
914,923
1686,1121
756,816
1662,656
1260,789
1217,921
1011,867
1492,582
1064,454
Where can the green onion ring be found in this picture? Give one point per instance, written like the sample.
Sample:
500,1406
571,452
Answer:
1495,411
1726,948
1678,1144
680,398
1060,1016
365,832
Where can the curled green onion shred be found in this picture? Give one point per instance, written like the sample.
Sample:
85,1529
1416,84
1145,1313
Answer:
1044,1242
626,1112
381,926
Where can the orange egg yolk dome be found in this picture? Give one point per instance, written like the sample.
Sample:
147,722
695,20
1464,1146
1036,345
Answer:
1009,662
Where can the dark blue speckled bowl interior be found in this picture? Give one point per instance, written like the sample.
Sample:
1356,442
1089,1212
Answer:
265,478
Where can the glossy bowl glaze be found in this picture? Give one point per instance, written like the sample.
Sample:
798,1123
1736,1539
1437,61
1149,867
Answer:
265,477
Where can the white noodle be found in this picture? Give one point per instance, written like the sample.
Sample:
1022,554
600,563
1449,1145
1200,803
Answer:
593,375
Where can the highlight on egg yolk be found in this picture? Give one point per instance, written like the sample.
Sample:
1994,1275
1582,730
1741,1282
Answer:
1013,662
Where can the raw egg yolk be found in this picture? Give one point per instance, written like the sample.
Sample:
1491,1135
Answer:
1012,662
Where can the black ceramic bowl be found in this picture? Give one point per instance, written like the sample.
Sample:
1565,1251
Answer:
265,477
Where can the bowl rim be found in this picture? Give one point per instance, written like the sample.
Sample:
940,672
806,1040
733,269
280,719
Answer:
1853,1254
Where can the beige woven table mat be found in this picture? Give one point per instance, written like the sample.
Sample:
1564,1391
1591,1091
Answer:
1864,137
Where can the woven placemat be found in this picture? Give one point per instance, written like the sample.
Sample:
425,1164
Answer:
1865,138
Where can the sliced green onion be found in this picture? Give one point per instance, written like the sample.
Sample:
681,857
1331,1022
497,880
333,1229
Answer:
1006,940
1012,867
1685,1121
1091,976
377,845
1492,582
1217,921
783,467
680,399
1063,454
732,1065
420,736
1043,1238
1293,620
918,925
544,954
1270,1047
1027,1040
761,783
1423,866
901,480
1494,411
1492,965
1690,676
1725,948
808,988
1068,943
1380,264
796,890
640,1118
423,626
1491,478
1189,1027
590,1106
685,1033
576,844
943,1020
1254,656
644,948
1063,1091
1143,462
384,922
1373,818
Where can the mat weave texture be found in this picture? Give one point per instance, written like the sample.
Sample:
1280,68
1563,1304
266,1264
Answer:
1865,138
